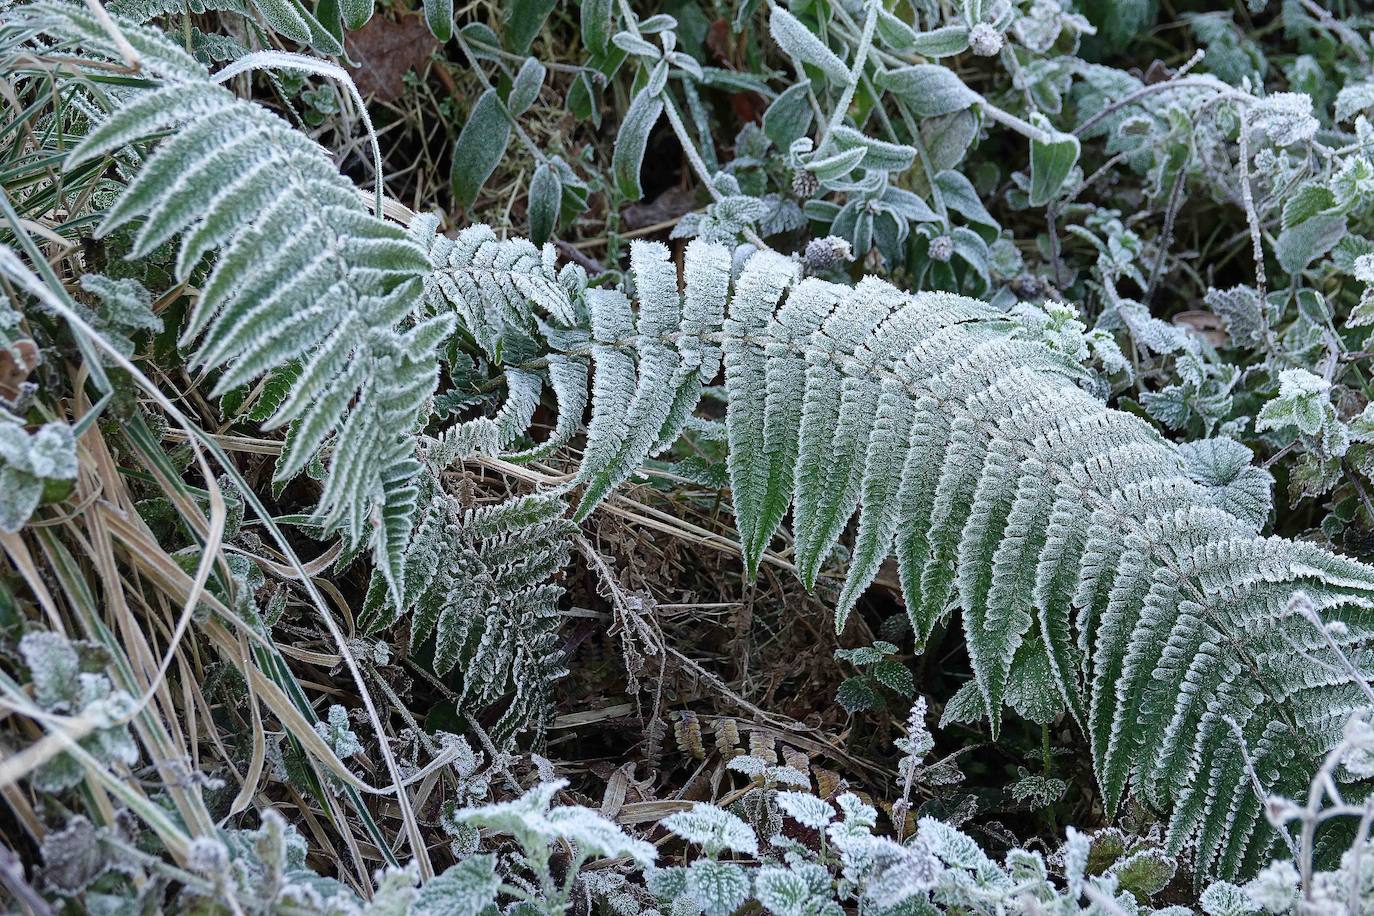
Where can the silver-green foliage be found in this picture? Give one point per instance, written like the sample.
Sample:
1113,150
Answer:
68,680
290,18
305,279
28,463
478,582
1092,561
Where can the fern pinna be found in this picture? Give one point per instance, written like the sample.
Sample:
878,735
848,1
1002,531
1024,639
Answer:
1089,557
306,282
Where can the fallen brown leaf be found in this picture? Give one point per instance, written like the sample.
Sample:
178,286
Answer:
387,49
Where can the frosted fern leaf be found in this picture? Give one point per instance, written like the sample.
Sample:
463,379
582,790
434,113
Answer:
335,303
1085,552
477,582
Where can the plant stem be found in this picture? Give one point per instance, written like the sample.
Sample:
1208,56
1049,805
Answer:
856,72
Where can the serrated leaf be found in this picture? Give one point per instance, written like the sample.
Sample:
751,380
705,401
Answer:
894,675
466,889
1306,202
718,888
713,829
857,695
1304,243
806,809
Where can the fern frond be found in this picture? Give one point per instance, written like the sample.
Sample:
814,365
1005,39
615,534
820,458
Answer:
1081,548
287,17
478,588
337,300
504,293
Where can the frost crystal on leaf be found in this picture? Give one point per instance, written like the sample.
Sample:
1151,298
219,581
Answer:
713,829
806,809
718,888
337,733
27,463
1286,117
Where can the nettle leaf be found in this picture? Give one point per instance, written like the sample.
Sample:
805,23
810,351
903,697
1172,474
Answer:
806,809
1051,162
799,42
718,888
1144,873
789,117
1240,307
525,87
631,141
27,463
781,891
895,676
1307,201
713,829
928,89
466,889
1354,99
481,146
54,667
1226,899
1227,468
545,201
856,695
1302,244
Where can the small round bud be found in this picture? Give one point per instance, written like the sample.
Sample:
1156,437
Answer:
942,248
984,40
823,254
804,183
